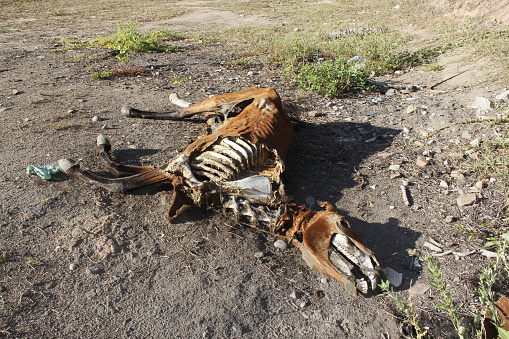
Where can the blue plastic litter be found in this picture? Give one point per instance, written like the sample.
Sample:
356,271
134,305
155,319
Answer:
44,172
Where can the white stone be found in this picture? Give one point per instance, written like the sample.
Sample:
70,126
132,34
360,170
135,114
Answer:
482,104
281,244
503,96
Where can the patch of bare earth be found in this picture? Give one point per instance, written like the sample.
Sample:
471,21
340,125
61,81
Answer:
81,262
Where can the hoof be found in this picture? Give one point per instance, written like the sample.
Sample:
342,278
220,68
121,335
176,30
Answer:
127,111
102,140
66,164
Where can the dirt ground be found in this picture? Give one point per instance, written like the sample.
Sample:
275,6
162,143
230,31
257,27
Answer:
84,263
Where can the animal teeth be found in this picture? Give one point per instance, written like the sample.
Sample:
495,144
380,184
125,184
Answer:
340,264
344,246
362,285
373,278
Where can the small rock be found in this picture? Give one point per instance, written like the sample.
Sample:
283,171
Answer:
482,104
94,270
4,109
71,111
2,288
404,182
406,130
295,295
503,96
480,185
73,267
419,289
394,167
15,92
303,304
466,199
395,175
323,280
251,73
466,135
475,142
96,118
444,184
457,175
314,114
390,92
395,278
258,255
449,219
489,254
281,244
411,109
422,162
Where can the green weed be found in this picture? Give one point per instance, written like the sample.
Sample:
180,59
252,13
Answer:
411,316
178,80
447,305
493,160
332,78
127,39
102,75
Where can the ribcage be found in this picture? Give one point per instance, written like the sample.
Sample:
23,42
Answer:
228,158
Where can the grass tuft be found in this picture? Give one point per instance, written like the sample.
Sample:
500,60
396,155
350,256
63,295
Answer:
332,78
128,39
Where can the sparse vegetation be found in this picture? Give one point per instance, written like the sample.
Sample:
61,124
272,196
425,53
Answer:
102,74
493,160
122,71
412,317
332,78
487,295
128,39
446,305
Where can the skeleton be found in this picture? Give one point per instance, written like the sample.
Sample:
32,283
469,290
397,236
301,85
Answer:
237,168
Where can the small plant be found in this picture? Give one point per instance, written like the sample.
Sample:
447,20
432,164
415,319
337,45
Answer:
435,67
493,160
127,39
407,308
178,80
102,75
447,305
31,261
332,78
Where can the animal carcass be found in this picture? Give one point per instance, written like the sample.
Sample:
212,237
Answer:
237,168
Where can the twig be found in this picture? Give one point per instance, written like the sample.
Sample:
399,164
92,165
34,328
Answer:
449,78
